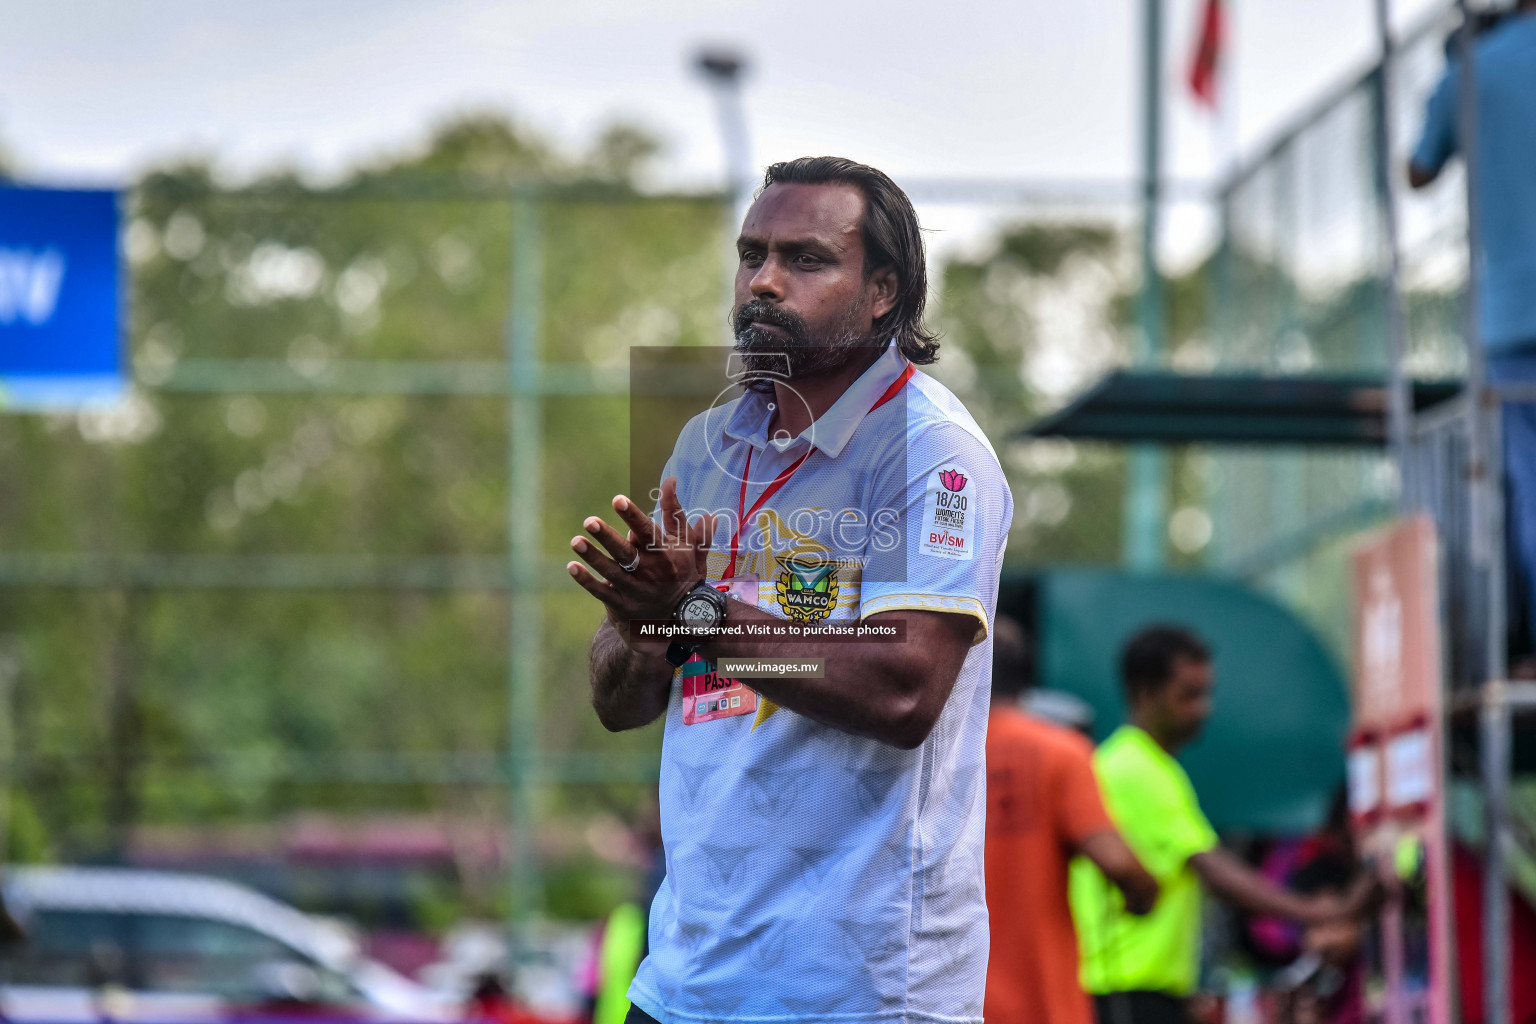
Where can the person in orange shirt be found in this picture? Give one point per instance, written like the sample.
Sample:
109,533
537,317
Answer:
1043,808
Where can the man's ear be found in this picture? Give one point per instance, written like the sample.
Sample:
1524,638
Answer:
883,284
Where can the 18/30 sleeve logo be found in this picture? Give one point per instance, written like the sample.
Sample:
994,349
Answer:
949,514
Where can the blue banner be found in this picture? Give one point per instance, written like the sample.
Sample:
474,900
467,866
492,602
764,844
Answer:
60,327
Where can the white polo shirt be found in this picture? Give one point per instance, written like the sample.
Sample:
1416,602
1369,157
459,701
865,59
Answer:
813,875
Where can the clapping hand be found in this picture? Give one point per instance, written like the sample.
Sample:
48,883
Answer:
645,574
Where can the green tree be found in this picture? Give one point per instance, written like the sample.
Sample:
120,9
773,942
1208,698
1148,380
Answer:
1026,325
157,706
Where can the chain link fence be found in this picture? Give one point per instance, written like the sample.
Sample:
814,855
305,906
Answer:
1299,286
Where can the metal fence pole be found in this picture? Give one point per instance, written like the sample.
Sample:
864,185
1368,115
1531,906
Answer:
1495,723
1487,552
1494,729
524,538
1146,484
1399,395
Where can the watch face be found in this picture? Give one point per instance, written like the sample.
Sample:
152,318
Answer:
699,611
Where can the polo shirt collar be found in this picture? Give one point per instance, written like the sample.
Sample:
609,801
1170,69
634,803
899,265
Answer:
1144,739
830,433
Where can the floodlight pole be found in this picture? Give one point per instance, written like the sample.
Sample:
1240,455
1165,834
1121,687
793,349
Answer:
1146,487
722,70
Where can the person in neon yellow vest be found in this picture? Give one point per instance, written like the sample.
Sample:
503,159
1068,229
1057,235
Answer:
618,958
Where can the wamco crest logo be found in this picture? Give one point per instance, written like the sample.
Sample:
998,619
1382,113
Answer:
30,283
807,591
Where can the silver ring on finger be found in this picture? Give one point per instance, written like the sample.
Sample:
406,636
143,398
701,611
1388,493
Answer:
633,564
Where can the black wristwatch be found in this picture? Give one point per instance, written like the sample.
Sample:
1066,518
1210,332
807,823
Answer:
703,607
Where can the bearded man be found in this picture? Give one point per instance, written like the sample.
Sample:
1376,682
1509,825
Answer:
823,831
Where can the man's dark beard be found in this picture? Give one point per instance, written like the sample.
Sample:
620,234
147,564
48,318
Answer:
764,355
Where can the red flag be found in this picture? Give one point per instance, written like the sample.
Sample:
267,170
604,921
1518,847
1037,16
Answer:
1202,70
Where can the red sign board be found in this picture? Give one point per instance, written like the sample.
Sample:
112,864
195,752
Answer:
1396,764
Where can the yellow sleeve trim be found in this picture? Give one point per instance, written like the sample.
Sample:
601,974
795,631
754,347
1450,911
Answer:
929,603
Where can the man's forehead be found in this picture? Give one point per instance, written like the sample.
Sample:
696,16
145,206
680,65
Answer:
793,210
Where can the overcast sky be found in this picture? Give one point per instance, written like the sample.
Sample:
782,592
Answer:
94,91
97,89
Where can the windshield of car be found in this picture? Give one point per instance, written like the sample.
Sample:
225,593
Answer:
161,952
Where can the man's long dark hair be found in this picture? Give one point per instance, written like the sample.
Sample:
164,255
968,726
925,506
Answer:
892,239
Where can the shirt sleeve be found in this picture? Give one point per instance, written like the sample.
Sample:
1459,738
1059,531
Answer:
1189,832
1158,815
940,521
1078,807
1437,143
1172,831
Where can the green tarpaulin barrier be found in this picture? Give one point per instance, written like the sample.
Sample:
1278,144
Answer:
1272,756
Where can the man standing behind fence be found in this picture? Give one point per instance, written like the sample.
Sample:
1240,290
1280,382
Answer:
1504,64
823,836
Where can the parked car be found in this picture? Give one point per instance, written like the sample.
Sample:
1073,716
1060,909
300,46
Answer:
133,945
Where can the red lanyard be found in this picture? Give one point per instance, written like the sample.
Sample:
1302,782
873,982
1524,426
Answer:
783,478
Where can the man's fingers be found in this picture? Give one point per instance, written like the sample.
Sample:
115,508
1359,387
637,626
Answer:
605,566
646,533
591,584
622,550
